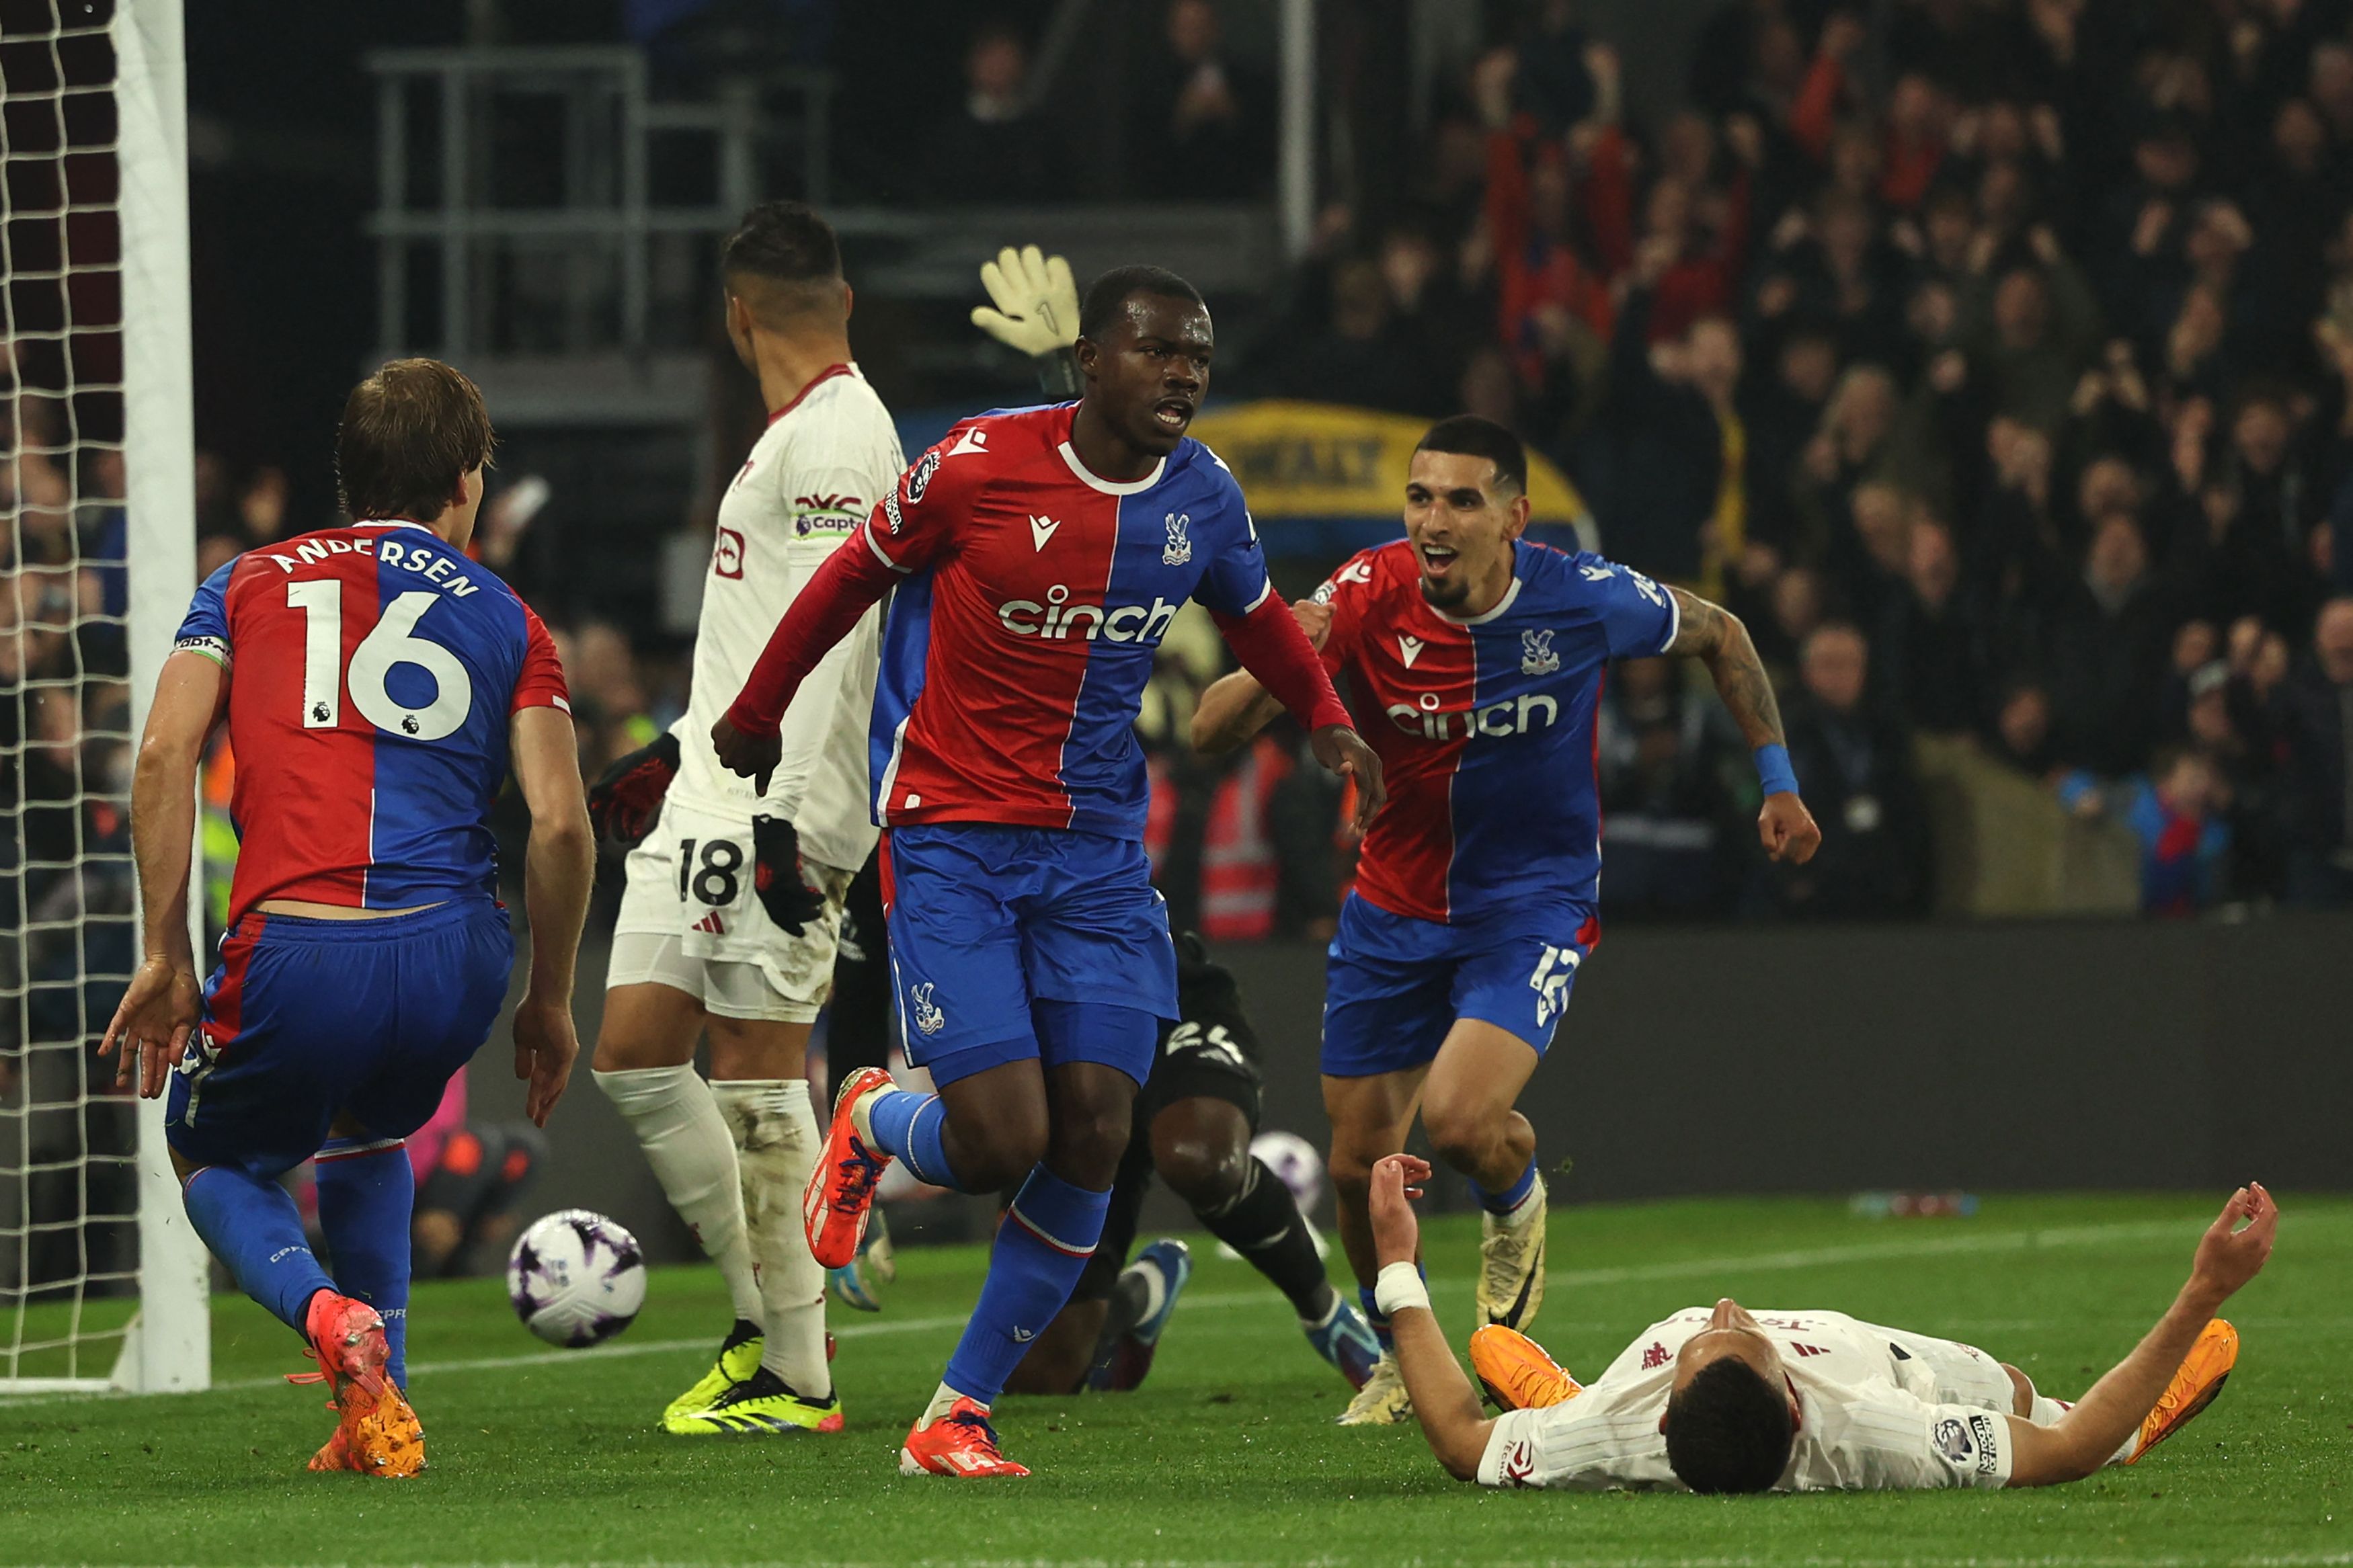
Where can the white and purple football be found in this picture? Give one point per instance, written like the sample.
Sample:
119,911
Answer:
1295,1161
576,1278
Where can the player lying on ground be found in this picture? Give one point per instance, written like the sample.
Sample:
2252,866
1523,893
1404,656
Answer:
1730,1401
1474,907
733,904
1039,556
1194,1122
377,686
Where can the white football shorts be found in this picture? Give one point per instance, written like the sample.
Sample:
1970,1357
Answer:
691,919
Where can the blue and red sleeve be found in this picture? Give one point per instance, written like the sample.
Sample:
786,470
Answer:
206,629
541,682
1278,655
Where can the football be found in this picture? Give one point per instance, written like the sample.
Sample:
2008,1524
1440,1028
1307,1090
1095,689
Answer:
576,1278
1293,1159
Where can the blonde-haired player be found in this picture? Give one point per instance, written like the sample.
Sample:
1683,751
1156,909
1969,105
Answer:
733,904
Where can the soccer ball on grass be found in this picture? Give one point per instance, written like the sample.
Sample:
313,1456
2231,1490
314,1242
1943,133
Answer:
576,1278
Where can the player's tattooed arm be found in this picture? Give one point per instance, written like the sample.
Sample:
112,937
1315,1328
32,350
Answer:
1715,637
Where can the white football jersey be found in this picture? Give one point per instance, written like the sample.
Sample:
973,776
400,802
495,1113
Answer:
1879,1409
820,468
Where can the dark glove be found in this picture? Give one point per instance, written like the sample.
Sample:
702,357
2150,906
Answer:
628,796
790,901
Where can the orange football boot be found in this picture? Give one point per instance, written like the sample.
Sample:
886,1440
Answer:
377,1433
961,1442
1517,1373
2200,1378
840,1191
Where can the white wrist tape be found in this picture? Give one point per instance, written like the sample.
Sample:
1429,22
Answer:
1400,1286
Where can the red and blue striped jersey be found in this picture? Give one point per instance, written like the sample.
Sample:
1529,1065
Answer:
372,673
1485,727
1034,598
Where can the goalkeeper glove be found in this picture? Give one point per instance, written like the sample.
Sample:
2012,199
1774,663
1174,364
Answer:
1037,312
790,901
628,796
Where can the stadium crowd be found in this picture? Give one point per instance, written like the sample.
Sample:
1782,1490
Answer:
1993,361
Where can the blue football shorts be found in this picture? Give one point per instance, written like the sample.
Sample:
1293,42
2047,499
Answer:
308,1018
1396,984
1025,944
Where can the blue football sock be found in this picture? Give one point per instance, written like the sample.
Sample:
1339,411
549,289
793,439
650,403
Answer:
1043,1246
252,1225
366,1194
1511,1197
1376,1318
907,1127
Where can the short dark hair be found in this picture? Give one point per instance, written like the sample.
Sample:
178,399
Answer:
784,242
783,261
410,433
1728,1430
1475,436
1109,294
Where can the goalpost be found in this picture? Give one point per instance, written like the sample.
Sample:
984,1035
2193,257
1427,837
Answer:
102,1282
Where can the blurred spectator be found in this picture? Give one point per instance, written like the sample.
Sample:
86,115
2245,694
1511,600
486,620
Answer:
995,147
1928,637
1204,123
2021,730
1855,767
2174,811
1685,471
261,507
1359,358
1662,796
2109,637
2318,734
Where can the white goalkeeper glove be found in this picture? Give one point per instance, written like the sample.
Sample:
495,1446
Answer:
1037,302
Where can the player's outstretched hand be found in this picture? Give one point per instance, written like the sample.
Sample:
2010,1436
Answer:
1397,1182
1314,619
627,797
1342,751
1037,301
546,1045
753,756
1787,830
151,1027
776,874
2229,1254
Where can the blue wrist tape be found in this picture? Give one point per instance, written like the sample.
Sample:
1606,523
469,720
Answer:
1773,770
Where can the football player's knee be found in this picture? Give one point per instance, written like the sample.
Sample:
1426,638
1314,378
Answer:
1461,1133
1208,1173
1000,1156
1087,1144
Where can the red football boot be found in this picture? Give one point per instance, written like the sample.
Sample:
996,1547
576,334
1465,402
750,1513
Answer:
961,1442
840,1191
378,1433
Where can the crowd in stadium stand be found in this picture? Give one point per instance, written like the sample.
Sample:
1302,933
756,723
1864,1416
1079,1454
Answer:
1993,363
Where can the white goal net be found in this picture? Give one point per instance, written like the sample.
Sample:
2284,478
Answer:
99,1281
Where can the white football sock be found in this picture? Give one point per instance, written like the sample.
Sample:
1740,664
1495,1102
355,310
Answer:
943,1401
776,1144
685,1139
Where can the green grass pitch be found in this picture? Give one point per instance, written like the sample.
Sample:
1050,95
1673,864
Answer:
1227,1455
